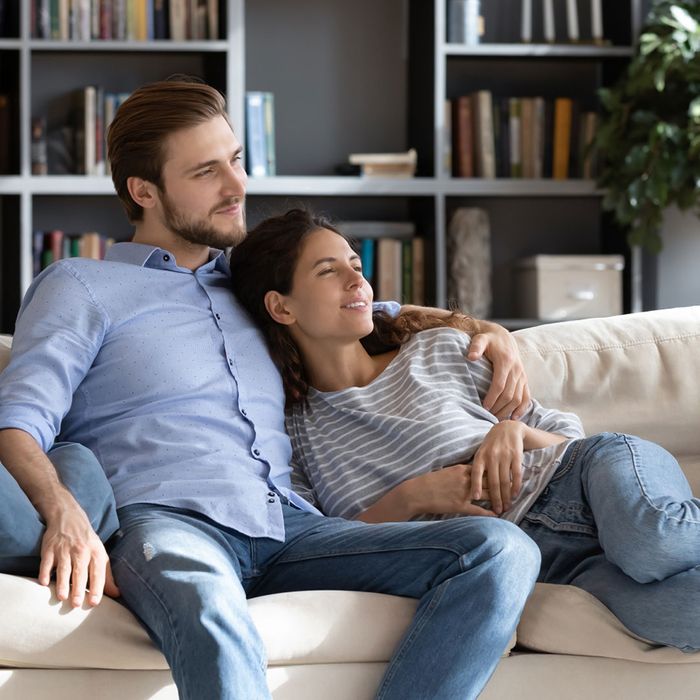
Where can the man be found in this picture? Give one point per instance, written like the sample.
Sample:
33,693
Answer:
147,359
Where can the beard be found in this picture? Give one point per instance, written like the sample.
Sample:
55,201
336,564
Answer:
201,231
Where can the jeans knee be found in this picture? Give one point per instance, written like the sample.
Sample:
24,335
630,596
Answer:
517,555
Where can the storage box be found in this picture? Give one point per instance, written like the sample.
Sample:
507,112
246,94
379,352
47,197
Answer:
560,287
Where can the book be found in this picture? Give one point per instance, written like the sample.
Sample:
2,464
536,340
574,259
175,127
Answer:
563,107
160,19
538,136
389,269
269,132
514,132
400,165
178,20
484,146
527,122
39,152
367,246
213,19
418,276
463,137
588,130
406,272
256,149
447,138
5,134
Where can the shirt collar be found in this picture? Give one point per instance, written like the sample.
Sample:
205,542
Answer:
151,256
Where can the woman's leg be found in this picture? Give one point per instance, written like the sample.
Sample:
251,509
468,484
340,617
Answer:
21,526
648,521
565,526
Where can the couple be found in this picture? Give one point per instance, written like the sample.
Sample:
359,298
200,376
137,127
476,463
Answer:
147,359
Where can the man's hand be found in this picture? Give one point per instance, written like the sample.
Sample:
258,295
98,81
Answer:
509,394
499,461
73,549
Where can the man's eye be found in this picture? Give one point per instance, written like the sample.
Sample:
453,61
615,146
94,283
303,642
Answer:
204,173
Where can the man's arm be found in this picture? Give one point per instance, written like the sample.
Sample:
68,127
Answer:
509,394
70,545
54,346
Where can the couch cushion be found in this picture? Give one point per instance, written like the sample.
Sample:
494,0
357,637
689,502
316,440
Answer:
305,627
568,620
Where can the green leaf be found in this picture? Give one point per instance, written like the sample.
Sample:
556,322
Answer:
684,19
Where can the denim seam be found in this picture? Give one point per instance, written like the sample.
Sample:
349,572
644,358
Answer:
162,604
418,625
343,553
566,467
661,511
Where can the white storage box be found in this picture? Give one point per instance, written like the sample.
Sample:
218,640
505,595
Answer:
559,287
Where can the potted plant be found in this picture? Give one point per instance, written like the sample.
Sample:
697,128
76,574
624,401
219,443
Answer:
649,136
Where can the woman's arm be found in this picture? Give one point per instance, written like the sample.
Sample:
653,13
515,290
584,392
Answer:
446,491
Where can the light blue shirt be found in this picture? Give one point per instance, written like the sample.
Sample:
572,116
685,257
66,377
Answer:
161,373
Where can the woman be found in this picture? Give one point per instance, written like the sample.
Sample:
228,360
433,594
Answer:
403,434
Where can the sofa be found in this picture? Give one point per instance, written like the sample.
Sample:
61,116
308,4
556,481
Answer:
636,373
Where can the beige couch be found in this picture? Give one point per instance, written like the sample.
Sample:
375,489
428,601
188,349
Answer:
638,374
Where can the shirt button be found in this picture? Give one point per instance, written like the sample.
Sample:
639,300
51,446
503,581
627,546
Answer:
166,257
218,317
230,361
270,500
256,452
271,494
244,412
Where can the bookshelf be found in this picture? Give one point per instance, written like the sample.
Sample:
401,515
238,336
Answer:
347,77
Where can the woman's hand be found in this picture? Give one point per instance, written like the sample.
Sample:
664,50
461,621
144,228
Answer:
499,462
509,394
446,491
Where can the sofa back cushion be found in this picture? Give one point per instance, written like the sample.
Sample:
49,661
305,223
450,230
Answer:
635,374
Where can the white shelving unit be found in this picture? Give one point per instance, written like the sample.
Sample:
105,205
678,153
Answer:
435,192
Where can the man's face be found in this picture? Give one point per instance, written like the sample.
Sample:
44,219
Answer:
204,184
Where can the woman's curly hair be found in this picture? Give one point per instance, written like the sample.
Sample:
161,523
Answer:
266,260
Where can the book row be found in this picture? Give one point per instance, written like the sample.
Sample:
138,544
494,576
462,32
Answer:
519,137
50,246
82,147
472,22
125,20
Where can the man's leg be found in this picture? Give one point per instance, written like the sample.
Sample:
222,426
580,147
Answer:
471,575
181,575
21,526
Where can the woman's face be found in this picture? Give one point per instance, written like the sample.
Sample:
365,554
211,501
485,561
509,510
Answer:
329,298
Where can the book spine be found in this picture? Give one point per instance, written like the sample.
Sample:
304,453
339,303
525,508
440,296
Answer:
515,133
562,137
406,272
269,116
418,276
463,135
178,20
527,106
255,134
483,134
160,19
213,19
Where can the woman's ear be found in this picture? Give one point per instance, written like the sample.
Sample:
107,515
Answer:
276,305
142,192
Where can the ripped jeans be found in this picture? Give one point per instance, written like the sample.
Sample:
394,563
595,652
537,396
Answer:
619,520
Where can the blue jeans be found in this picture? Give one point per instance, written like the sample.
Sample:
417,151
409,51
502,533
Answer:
21,527
187,578
619,520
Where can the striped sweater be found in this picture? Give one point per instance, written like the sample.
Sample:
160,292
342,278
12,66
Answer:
422,413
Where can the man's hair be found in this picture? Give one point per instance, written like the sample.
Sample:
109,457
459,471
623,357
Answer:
136,137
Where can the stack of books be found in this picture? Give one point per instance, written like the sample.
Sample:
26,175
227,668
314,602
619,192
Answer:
514,137
125,20
401,165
